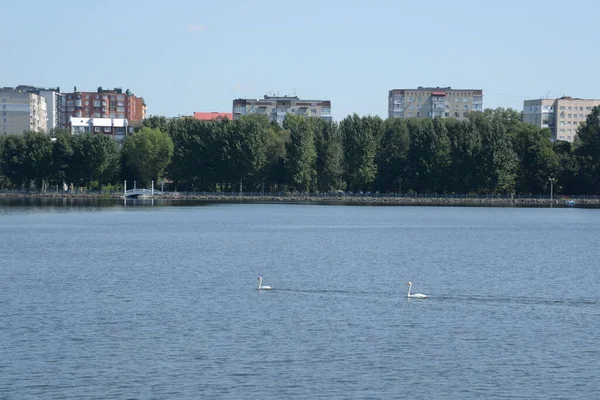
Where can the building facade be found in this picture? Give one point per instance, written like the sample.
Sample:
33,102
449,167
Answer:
562,116
213,116
114,104
21,111
116,128
429,102
276,107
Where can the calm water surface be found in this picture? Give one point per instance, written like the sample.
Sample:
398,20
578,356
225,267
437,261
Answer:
160,302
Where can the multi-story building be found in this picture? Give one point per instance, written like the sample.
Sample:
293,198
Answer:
117,128
54,103
429,102
276,107
212,116
562,116
104,104
539,112
21,111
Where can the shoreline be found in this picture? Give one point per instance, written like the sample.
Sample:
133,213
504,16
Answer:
366,200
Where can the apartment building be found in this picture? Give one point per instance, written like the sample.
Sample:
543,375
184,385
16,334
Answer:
21,111
110,103
430,102
54,104
562,116
116,128
276,107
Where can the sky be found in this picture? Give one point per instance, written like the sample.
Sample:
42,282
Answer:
183,56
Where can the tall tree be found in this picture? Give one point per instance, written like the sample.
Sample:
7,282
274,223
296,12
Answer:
12,160
330,155
301,154
392,159
587,150
498,163
360,141
465,150
429,154
148,151
95,159
537,159
37,156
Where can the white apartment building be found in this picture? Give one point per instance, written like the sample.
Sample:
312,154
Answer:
562,116
117,128
21,111
276,107
430,102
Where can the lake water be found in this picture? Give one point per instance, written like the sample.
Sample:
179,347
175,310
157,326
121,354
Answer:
113,302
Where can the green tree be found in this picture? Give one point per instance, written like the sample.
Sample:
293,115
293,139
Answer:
36,157
155,122
429,154
587,150
360,140
95,160
392,159
148,152
465,150
330,155
537,159
498,162
12,160
301,154
62,155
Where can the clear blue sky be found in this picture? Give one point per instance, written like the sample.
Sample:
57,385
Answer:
194,55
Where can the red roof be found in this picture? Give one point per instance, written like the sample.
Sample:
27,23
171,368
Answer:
209,116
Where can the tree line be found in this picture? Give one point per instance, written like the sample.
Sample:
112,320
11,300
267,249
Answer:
489,152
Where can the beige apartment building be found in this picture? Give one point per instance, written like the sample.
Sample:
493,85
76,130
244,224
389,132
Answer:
276,107
430,102
562,116
21,111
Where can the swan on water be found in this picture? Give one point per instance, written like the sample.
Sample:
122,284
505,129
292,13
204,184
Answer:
260,285
415,295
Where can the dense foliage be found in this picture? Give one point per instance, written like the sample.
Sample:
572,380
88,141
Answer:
490,152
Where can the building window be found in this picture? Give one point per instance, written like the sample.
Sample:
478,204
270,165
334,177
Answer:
97,129
562,107
107,129
581,116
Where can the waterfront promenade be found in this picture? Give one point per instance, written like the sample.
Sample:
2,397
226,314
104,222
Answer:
334,198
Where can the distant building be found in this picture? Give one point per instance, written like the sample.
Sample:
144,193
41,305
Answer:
117,128
213,116
562,116
22,111
429,102
113,103
276,108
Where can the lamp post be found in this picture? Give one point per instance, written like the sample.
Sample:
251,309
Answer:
551,189
152,188
125,189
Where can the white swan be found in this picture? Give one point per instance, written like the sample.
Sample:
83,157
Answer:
260,285
416,295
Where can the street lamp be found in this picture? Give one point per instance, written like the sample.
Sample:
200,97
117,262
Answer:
551,188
